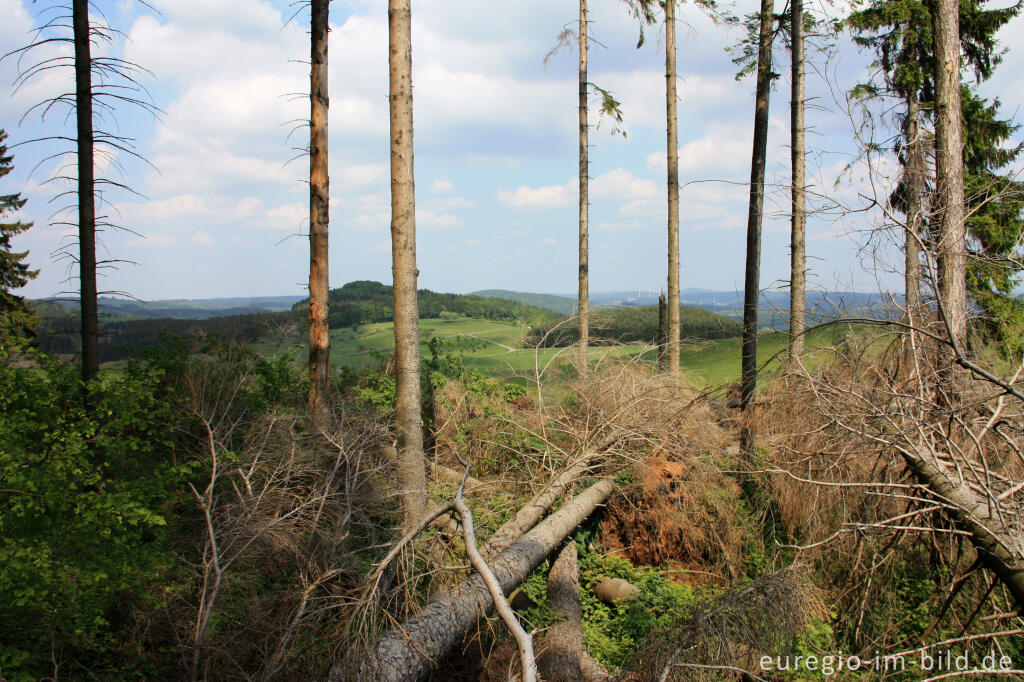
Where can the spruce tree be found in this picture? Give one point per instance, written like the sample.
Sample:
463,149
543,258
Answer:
900,32
16,319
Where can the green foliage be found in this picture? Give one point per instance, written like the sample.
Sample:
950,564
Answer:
366,302
81,518
513,392
613,633
377,390
16,320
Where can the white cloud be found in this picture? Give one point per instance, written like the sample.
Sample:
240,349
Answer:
361,175
446,203
441,186
287,216
428,218
548,241
541,197
201,237
621,184
368,221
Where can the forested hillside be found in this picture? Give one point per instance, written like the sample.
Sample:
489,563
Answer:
354,304
366,302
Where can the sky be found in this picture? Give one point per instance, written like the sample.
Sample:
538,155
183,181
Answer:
219,206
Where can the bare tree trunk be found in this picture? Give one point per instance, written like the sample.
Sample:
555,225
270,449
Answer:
319,213
86,192
672,348
751,288
412,475
952,247
408,651
584,293
662,329
914,187
798,218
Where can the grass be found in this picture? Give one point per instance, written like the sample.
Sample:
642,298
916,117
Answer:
713,363
705,363
504,356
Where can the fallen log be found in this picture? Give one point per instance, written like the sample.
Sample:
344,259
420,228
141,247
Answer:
563,657
408,651
531,513
999,547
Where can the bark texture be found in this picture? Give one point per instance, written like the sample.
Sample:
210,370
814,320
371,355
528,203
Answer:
531,513
86,191
407,652
319,215
672,346
584,173
412,476
914,188
949,170
798,208
561,647
999,547
662,329
755,211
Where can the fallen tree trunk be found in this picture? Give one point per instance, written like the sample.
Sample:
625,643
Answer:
1000,548
563,657
408,651
531,513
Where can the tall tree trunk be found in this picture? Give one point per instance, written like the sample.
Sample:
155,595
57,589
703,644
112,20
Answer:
952,248
319,213
662,329
914,188
672,348
798,218
751,288
584,293
86,192
412,476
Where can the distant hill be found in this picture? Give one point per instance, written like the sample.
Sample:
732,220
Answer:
127,327
185,308
366,302
774,305
564,305
636,323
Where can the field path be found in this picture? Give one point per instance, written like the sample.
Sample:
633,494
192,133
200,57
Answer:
510,349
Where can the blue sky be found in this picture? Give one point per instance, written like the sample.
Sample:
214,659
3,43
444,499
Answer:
225,204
